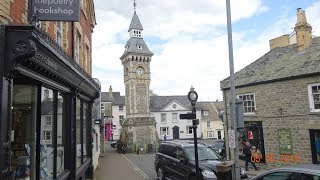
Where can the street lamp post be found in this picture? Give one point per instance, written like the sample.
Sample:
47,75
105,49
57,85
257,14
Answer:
193,97
233,116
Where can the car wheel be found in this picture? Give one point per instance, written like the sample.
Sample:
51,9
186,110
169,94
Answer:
160,174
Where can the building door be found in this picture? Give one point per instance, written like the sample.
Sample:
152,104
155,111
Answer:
219,134
315,145
253,132
108,132
175,132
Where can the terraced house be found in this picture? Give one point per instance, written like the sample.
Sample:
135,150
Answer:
281,97
46,92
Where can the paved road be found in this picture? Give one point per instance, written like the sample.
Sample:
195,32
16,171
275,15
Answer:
145,162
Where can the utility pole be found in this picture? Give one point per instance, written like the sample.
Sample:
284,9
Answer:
236,167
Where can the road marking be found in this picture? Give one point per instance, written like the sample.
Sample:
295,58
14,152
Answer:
138,170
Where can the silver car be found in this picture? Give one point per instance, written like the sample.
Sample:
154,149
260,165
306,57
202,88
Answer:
298,172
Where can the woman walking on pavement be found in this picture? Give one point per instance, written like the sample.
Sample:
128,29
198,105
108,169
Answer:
247,152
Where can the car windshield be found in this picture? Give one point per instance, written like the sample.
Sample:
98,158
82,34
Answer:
218,144
204,153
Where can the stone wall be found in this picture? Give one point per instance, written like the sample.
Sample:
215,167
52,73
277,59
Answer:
283,104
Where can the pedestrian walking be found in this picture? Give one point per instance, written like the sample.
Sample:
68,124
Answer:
247,152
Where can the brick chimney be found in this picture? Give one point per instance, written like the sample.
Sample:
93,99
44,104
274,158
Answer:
303,30
281,41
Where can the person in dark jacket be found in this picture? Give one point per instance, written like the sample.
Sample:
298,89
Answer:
247,152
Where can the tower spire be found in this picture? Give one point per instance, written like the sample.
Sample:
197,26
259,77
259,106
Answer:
134,5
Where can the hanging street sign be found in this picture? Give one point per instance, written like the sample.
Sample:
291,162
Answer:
54,10
187,116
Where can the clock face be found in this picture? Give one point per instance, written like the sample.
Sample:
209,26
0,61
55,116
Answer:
140,71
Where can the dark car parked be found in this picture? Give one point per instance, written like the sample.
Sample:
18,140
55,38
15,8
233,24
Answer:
176,160
298,172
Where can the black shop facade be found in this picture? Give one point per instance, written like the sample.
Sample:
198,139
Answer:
46,106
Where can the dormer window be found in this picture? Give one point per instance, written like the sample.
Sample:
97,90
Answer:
126,48
139,46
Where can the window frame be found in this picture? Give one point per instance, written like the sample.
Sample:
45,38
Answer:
161,131
45,135
120,108
174,120
208,124
163,118
205,113
59,33
188,130
210,132
77,47
244,107
311,97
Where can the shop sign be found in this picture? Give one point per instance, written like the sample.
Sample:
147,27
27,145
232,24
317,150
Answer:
285,142
54,10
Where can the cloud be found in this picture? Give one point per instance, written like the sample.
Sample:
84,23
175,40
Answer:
189,39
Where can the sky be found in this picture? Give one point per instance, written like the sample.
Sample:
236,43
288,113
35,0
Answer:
189,39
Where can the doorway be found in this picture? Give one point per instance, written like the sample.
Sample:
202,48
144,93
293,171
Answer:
315,145
219,134
175,132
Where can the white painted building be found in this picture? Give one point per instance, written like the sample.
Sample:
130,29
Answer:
166,110
211,123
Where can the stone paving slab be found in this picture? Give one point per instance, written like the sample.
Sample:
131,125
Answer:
114,166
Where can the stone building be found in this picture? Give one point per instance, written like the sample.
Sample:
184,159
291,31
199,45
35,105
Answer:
281,97
211,120
139,127
47,94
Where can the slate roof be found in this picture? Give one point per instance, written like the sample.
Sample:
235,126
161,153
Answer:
116,98
132,47
157,103
208,106
279,64
135,22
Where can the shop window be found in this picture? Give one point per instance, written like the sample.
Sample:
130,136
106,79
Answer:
163,118
23,143
61,137
314,97
78,133
164,131
46,143
174,117
248,103
84,131
189,130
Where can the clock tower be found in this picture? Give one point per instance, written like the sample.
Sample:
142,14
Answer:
139,128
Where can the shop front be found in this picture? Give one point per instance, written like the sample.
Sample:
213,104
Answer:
253,132
46,103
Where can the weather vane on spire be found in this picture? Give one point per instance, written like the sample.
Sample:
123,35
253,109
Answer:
134,5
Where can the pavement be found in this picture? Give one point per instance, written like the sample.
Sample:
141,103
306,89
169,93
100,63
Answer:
115,166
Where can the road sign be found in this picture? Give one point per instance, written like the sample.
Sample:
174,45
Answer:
187,116
232,138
